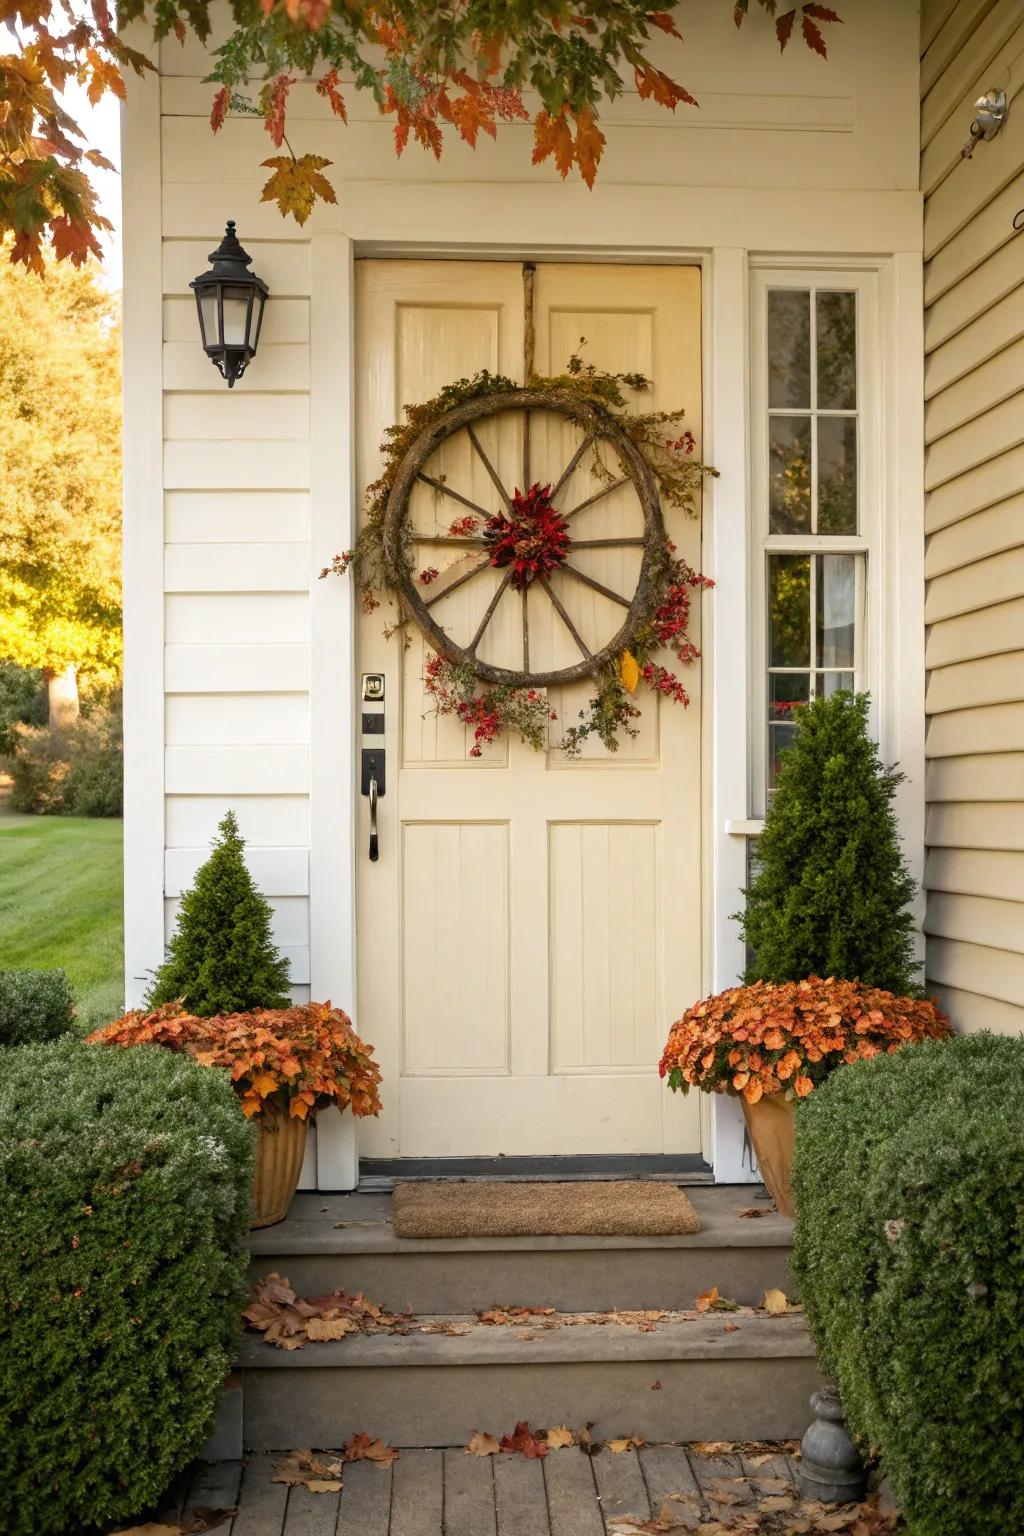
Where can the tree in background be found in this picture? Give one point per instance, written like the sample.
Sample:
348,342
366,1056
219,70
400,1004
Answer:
222,958
832,893
60,480
432,65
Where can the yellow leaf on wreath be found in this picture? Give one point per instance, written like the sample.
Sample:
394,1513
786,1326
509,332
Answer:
629,671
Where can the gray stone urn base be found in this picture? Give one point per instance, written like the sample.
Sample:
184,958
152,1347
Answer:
830,1468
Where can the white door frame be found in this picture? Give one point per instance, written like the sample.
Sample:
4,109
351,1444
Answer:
726,330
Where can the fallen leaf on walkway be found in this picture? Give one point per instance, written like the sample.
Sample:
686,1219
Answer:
710,1301
361,1448
303,1469
209,1518
482,1445
713,1447
523,1442
726,1490
338,1224
731,1328
655,1386
201,1519
559,1437
450,1330
625,1443
322,1329
776,1501
758,1210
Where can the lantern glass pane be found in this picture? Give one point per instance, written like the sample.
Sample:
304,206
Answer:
208,310
236,312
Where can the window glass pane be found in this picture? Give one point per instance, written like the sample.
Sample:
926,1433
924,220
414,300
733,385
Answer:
837,474
834,621
779,738
786,690
836,320
828,683
789,507
789,347
789,610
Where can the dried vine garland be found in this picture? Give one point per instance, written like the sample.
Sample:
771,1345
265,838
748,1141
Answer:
530,538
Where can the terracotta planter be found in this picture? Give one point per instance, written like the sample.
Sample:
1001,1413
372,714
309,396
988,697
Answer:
279,1152
772,1125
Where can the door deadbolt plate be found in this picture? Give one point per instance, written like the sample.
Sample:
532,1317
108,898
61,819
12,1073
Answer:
372,767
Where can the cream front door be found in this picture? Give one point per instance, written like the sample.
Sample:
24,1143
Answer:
533,923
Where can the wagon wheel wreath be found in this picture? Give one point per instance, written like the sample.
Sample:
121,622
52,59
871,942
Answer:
532,538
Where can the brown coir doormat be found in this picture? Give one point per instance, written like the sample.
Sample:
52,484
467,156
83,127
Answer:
590,1209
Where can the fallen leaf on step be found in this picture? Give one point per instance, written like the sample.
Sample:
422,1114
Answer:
322,1329
523,1442
338,1224
775,1502
482,1445
731,1328
726,1490
303,1469
625,1443
753,1211
499,1316
710,1301
361,1448
559,1438
209,1518
713,1447
776,1303
655,1386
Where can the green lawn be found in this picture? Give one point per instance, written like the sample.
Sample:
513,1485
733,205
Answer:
61,904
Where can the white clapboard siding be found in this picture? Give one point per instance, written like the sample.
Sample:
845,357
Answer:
220,417
283,264
249,618
289,922
972,538
267,820
974,609
282,366
980,584
990,632
236,517
277,871
236,568
210,719
237,465
248,770
236,668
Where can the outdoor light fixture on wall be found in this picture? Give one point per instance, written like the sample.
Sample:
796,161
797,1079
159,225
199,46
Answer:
230,302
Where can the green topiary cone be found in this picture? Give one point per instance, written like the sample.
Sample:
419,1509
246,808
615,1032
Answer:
832,892
222,958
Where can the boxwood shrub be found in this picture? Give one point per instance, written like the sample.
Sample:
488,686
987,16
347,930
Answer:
124,1204
909,1252
34,1006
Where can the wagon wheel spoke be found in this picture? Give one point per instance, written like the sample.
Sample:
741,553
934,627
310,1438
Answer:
606,490
559,608
609,543
446,490
567,471
589,581
489,613
462,541
482,565
495,477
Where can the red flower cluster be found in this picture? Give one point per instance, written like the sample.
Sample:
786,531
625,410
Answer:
533,538
663,681
429,574
489,713
777,1037
463,527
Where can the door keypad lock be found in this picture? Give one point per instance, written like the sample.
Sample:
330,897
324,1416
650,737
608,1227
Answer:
373,781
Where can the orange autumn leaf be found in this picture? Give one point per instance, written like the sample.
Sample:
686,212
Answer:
590,142
297,183
553,136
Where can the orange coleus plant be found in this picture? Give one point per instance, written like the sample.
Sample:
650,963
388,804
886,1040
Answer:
785,1037
299,1059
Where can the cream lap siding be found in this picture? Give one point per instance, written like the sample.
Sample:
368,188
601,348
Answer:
236,593
974,431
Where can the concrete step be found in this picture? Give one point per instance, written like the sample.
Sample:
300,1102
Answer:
347,1242
739,1376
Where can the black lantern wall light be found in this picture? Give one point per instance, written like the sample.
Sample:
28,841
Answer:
230,302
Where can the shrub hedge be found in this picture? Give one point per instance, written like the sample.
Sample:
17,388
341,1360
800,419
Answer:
124,1204
34,1006
909,1253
